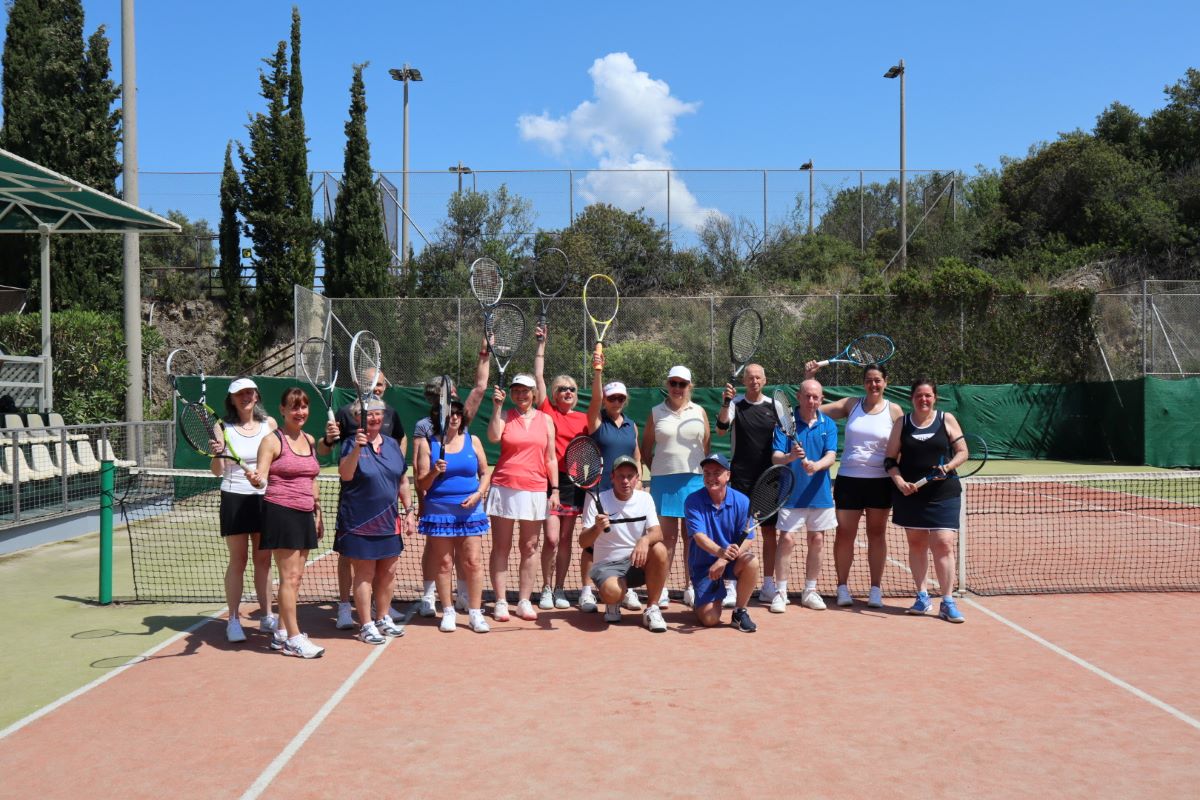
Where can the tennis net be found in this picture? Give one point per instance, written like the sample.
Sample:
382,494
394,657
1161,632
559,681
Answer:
1039,534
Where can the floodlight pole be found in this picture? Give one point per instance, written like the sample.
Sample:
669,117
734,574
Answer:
894,72
461,170
808,167
404,75
131,271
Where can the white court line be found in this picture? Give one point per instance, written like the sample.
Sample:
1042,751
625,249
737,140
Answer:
44,710
280,761
1113,679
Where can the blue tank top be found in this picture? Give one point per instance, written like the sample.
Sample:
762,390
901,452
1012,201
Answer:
613,442
461,477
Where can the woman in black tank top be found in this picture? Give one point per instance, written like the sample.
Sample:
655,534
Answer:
928,442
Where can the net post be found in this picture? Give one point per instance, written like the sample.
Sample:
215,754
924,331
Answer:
962,541
106,531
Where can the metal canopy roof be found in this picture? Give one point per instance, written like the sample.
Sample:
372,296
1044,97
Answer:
34,199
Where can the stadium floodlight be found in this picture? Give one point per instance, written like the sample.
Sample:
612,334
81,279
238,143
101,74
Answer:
461,170
404,75
897,71
808,167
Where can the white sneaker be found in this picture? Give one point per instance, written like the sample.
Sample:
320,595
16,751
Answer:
460,602
525,611
479,623
612,613
370,634
500,612
766,595
269,623
427,608
664,599
811,598
844,598
234,632
779,604
302,648
388,628
547,600
394,615
587,600
345,618
652,618
560,599
875,599
631,600
449,621
730,600
689,598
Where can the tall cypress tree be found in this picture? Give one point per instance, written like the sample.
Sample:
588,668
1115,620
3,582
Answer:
58,112
359,255
229,232
306,230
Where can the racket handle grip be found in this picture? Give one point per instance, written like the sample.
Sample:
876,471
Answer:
824,363
329,414
921,483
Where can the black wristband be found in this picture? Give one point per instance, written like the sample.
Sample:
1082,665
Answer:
723,426
325,441
890,463
551,490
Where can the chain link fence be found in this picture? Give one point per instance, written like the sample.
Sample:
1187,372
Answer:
1149,328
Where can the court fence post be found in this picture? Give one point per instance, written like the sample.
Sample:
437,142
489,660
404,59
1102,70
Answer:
962,540
106,531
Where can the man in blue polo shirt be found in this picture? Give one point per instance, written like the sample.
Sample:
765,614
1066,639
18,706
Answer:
715,516
811,503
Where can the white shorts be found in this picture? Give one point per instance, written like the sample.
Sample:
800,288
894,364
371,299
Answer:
516,504
814,520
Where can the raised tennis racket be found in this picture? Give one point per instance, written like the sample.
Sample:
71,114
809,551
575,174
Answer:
600,301
767,496
183,363
745,333
872,348
365,359
506,335
202,429
584,467
316,362
784,415
487,284
444,409
550,274
977,456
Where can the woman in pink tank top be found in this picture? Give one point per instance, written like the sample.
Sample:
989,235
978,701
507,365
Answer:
524,485
292,519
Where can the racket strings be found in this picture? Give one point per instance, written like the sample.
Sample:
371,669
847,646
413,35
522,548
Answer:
783,413
365,362
508,331
550,274
770,491
744,336
584,463
600,298
316,360
486,283
871,349
199,427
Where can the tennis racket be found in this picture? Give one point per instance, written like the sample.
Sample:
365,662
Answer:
316,362
872,348
505,336
182,363
550,274
600,301
201,428
487,284
767,496
977,456
585,467
365,358
444,409
745,333
785,416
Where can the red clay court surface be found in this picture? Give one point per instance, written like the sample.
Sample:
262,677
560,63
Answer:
841,703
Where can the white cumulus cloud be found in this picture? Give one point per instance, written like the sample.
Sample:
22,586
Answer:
626,125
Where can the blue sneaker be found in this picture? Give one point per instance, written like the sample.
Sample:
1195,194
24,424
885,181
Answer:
949,611
923,605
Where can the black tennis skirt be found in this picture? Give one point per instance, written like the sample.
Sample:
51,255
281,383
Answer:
287,529
241,513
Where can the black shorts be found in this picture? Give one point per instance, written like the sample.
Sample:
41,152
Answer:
856,494
570,496
744,484
240,513
287,529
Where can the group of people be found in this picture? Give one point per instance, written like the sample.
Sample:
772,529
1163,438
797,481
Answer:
629,537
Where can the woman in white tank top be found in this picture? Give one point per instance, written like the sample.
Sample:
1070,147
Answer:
862,485
241,505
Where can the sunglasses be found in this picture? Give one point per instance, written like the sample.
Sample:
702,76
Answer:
677,384
615,398
565,390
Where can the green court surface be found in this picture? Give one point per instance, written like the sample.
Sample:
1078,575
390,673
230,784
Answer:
58,639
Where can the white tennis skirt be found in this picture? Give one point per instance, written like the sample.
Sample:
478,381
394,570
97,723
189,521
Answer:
516,504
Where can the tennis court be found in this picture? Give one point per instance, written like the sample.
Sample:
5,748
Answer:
1072,694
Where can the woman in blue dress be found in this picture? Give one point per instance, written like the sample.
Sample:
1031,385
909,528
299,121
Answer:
369,530
454,481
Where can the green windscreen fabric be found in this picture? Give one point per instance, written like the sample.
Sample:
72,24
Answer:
1172,422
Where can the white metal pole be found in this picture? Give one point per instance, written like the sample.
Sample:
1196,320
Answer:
131,260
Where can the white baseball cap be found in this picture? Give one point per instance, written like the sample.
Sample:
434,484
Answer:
521,379
680,371
240,384
616,387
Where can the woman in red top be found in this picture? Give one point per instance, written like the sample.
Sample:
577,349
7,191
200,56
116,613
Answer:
559,404
291,517
524,484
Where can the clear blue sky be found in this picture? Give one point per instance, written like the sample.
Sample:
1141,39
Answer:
763,85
